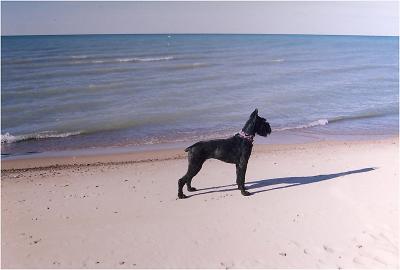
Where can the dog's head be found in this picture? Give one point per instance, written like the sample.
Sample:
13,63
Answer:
262,127
257,125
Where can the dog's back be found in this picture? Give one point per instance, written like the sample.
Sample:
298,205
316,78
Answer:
210,145
222,149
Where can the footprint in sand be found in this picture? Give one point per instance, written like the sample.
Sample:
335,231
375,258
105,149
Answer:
295,243
35,241
367,260
375,247
357,261
328,249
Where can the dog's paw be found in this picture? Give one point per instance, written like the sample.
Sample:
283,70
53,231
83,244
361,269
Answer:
191,189
182,196
245,193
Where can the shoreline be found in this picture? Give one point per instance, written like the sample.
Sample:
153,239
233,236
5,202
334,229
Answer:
64,147
158,154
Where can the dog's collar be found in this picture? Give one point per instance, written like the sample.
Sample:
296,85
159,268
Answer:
246,136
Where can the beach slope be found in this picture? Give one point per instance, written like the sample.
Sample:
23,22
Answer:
324,204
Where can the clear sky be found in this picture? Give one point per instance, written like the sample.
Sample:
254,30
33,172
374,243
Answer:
312,17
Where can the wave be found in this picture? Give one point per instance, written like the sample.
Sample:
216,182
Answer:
108,60
119,60
186,66
127,124
277,60
359,116
323,122
355,68
155,59
80,60
148,59
262,62
58,74
320,122
79,56
126,60
8,138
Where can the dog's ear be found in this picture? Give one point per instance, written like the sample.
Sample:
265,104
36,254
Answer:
250,124
254,114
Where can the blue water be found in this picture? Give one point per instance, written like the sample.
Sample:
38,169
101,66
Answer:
91,91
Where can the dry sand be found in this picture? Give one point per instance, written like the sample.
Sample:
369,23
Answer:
316,205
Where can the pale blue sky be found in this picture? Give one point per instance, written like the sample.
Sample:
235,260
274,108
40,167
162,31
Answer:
323,17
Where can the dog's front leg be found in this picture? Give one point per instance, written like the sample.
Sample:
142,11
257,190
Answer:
240,177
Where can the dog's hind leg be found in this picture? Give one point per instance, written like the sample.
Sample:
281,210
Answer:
181,183
193,168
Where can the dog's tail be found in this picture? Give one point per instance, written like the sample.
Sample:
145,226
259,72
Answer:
190,147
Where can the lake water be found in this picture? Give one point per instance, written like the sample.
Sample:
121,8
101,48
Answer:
95,91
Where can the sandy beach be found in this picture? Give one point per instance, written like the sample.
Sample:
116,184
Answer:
315,205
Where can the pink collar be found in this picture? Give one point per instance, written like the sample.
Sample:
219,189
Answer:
246,136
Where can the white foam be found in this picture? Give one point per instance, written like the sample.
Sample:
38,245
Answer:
79,56
320,122
148,59
126,59
154,59
277,60
49,134
199,64
8,138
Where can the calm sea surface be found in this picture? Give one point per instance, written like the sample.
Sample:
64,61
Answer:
96,91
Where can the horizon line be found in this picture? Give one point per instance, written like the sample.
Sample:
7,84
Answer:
271,34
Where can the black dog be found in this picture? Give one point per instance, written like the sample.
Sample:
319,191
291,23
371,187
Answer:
236,149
